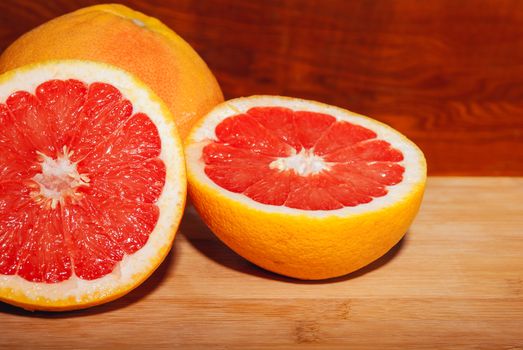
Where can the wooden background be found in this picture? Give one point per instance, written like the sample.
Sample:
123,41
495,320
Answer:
455,282
448,74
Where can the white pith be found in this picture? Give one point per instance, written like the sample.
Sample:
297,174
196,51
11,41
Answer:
303,163
58,179
413,162
171,201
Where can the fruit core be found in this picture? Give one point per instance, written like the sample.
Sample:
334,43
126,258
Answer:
59,178
304,163
301,159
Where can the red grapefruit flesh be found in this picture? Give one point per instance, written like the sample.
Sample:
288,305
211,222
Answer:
301,159
89,204
71,134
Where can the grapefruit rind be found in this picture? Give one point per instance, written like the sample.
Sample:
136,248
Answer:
76,293
305,244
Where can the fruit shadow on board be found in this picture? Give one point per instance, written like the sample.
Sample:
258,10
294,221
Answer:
204,241
137,294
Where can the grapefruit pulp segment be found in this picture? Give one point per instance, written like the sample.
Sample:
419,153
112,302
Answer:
298,158
69,231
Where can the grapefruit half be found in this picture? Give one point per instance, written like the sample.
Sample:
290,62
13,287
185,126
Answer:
92,184
302,188
140,44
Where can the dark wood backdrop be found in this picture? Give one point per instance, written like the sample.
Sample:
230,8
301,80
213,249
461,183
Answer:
449,74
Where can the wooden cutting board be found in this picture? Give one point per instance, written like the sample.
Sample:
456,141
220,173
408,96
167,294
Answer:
455,281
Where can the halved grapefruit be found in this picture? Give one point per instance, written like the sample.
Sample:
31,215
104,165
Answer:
302,188
92,184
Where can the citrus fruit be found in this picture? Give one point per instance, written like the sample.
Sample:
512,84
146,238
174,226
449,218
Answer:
142,45
302,188
92,184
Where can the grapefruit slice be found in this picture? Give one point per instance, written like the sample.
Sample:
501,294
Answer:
302,188
92,184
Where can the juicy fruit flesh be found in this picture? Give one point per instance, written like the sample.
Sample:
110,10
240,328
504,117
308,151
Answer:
300,159
79,178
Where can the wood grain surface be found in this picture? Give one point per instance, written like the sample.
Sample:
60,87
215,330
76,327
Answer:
454,282
448,74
